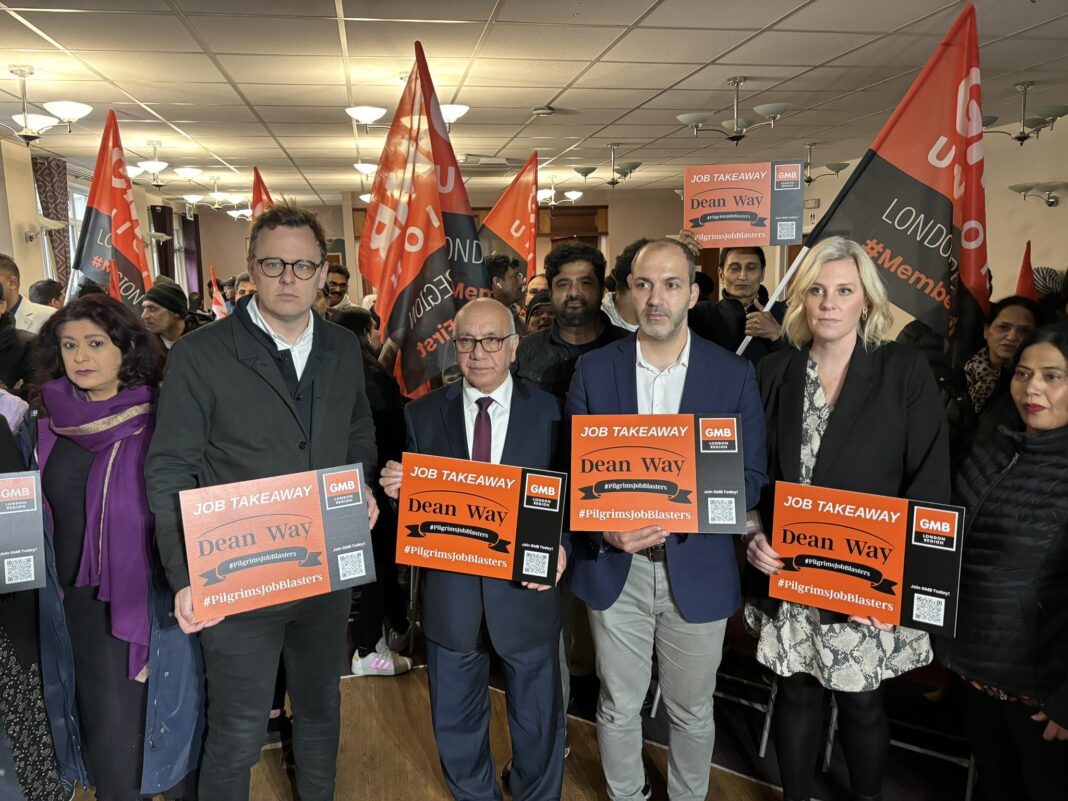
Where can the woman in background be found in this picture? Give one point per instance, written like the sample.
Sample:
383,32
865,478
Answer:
382,627
1011,647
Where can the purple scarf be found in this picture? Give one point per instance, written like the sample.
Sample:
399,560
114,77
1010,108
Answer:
118,524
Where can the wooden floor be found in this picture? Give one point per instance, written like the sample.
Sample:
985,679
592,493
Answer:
387,751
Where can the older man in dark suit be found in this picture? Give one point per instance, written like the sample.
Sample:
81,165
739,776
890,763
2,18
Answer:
492,418
651,588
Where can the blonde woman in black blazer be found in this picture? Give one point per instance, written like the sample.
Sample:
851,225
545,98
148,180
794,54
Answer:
845,409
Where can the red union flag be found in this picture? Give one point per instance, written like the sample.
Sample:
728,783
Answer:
261,198
110,249
218,302
419,247
511,227
916,201
1025,284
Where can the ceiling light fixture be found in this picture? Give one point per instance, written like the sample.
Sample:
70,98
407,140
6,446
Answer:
621,171
451,112
365,168
133,171
366,197
1042,191
585,172
365,115
189,173
1030,127
737,127
835,167
154,166
547,197
33,126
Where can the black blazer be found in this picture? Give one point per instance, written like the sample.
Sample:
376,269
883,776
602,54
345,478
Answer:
225,414
887,434
454,604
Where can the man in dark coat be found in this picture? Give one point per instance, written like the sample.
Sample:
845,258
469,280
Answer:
270,390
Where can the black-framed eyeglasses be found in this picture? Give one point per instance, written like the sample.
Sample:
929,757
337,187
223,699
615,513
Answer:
303,269
489,344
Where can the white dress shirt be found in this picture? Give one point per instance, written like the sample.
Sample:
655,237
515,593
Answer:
299,351
660,391
30,316
498,411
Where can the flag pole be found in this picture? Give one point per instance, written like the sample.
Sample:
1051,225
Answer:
773,298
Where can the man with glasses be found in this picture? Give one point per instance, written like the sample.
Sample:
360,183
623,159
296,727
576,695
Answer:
271,390
337,284
490,417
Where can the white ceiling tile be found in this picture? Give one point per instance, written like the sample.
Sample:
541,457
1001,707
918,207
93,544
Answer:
844,15
690,100
107,31
397,39
676,44
715,76
517,72
82,91
309,114
288,129
159,92
591,12
603,98
269,8
420,9
274,94
320,142
152,66
616,75
48,65
743,14
778,47
269,35
546,42
195,112
504,98
284,69
382,71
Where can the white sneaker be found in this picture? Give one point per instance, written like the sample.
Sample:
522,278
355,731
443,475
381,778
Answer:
380,662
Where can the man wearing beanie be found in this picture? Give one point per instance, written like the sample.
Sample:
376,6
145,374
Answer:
163,312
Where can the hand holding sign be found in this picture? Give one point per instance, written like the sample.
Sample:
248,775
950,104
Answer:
761,555
183,613
1053,730
561,566
638,540
390,478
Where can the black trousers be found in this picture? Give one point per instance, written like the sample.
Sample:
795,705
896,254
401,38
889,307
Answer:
241,665
863,734
384,599
1012,759
460,709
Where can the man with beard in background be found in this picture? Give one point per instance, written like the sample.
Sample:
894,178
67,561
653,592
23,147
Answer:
575,273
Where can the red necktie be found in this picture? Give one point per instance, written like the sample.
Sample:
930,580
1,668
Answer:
482,444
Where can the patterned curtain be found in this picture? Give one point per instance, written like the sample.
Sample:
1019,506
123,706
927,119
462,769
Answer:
50,175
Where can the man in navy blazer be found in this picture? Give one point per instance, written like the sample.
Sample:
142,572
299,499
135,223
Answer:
490,417
651,588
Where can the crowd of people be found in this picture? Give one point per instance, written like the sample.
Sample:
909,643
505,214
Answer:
108,679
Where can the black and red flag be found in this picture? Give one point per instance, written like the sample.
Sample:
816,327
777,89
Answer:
916,202
419,247
110,249
511,227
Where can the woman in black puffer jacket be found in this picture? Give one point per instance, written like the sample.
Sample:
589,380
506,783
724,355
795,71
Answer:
1011,648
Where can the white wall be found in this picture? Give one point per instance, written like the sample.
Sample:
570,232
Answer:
18,211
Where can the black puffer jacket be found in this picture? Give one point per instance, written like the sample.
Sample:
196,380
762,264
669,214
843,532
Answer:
1012,623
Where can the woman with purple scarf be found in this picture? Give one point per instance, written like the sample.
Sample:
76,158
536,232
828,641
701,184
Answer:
109,632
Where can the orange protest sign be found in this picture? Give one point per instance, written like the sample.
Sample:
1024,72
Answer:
737,205
258,543
491,520
681,471
868,555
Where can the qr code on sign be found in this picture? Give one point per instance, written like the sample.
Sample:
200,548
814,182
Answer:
18,569
929,609
350,565
535,563
786,229
720,511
